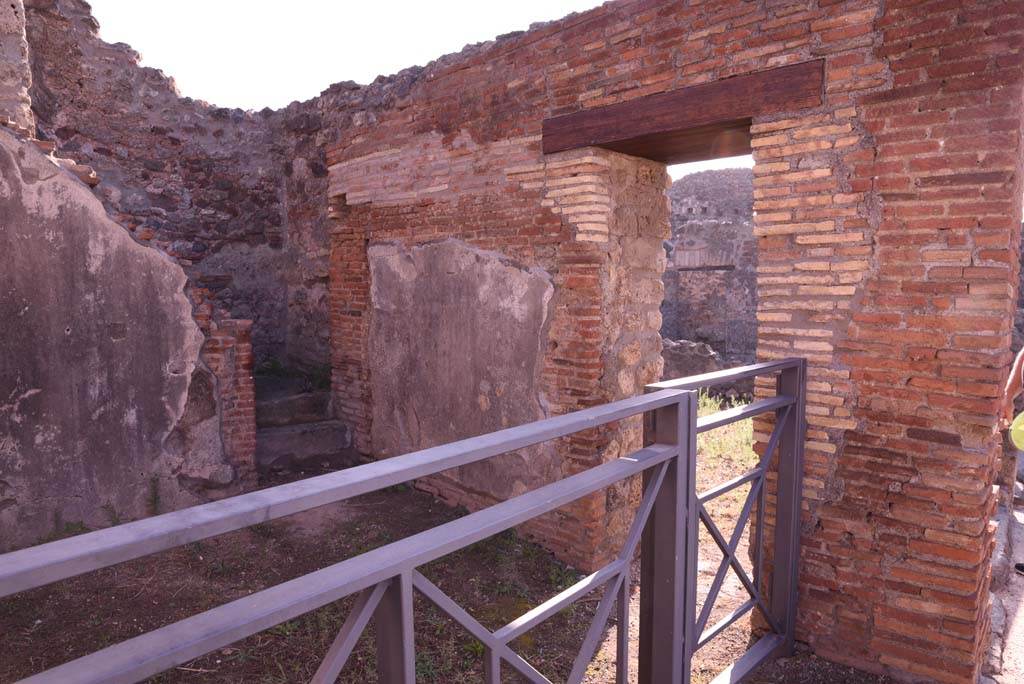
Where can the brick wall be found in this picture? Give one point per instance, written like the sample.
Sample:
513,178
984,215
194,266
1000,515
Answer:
227,352
928,348
888,226
592,230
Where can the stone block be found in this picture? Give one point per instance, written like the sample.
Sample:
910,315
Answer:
305,445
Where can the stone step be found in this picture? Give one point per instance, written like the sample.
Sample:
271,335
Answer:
293,409
323,444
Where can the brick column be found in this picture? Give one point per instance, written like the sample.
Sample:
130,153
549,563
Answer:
238,396
890,241
349,309
228,354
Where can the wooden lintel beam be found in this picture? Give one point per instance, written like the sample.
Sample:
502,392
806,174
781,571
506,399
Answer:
689,123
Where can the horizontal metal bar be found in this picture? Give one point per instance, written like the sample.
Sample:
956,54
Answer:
156,651
524,623
39,565
620,566
746,663
738,413
732,484
724,623
694,382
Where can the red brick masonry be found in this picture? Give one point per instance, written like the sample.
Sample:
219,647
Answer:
888,221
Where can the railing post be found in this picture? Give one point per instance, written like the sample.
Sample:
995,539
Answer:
666,605
396,660
788,494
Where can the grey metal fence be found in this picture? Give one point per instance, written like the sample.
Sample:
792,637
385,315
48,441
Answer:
384,580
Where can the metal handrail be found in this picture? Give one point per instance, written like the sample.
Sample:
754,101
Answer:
180,642
386,578
54,561
706,380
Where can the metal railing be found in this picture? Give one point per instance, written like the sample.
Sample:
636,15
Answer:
384,580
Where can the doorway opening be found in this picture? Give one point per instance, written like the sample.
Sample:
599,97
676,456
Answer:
709,311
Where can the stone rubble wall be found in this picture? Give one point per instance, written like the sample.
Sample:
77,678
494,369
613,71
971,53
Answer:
108,411
638,226
238,198
711,277
15,76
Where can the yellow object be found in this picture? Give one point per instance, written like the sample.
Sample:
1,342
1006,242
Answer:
1017,432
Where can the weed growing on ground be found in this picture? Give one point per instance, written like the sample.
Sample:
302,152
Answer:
730,445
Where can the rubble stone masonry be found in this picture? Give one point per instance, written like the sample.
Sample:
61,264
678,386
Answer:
238,198
888,229
15,76
145,465
711,277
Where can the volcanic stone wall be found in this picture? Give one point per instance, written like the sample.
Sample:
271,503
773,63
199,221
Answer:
888,229
117,402
107,409
238,198
711,277
15,76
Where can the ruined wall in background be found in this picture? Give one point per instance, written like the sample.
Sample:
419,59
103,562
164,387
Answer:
711,276
239,198
107,411
127,391
305,130
15,75
198,182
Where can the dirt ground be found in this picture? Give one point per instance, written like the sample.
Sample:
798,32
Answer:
496,581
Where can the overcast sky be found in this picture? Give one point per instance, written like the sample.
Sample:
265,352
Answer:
257,53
